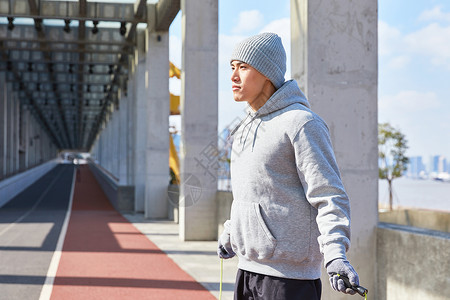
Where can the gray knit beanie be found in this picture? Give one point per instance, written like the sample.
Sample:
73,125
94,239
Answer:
265,53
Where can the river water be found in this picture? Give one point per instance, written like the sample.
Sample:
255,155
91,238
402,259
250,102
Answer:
414,193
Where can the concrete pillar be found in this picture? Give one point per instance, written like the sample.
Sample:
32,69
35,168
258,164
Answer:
33,141
16,165
102,146
131,126
10,129
3,120
115,142
199,98
123,140
26,137
334,59
158,111
109,149
140,124
30,141
39,142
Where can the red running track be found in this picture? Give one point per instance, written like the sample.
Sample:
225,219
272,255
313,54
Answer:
106,257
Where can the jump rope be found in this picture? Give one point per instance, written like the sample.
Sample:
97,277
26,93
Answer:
359,289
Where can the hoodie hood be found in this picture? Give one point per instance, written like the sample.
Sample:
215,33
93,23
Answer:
289,93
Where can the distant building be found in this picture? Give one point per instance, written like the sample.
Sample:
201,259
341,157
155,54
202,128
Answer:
433,164
415,167
442,165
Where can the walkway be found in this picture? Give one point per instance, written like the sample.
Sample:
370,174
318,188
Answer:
104,256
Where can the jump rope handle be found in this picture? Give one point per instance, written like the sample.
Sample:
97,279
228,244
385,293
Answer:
357,288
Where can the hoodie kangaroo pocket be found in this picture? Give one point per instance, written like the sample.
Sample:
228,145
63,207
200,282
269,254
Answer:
250,236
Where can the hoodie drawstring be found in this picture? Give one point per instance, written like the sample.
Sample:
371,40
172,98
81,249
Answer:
256,132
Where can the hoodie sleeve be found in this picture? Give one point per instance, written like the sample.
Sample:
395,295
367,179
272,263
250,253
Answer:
320,178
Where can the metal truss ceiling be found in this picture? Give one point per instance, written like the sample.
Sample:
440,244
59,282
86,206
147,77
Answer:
68,68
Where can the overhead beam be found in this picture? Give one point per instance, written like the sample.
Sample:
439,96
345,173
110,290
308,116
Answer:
41,118
63,62
140,8
84,50
67,42
100,11
40,30
166,11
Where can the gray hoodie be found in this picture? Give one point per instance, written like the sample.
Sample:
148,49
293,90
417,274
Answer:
290,206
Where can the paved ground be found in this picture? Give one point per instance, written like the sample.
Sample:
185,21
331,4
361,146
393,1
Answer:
30,225
199,259
105,255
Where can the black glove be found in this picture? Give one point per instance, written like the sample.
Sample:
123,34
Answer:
224,249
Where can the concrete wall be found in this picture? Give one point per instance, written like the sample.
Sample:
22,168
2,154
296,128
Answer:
428,219
412,263
12,186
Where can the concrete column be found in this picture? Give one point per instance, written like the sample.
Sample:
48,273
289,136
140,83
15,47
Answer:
140,125
33,141
3,120
109,149
114,142
102,146
16,134
131,128
26,137
107,145
123,140
158,111
10,128
30,141
199,97
334,58
40,144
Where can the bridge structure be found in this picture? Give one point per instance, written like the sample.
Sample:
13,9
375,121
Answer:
93,76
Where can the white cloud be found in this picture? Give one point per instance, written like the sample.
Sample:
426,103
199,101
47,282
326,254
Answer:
405,102
398,62
175,50
435,14
432,41
226,46
248,20
388,38
414,113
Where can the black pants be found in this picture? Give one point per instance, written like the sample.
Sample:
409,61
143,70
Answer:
254,286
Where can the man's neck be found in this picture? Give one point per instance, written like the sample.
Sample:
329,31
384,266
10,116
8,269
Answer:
267,92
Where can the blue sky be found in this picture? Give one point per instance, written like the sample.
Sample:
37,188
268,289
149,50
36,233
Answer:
414,63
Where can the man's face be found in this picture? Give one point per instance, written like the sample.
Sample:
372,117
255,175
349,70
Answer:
247,83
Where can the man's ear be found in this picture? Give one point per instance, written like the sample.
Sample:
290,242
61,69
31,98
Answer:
269,83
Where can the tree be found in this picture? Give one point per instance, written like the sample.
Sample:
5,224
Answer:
392,145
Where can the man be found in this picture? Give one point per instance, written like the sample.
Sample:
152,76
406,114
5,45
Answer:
290,208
